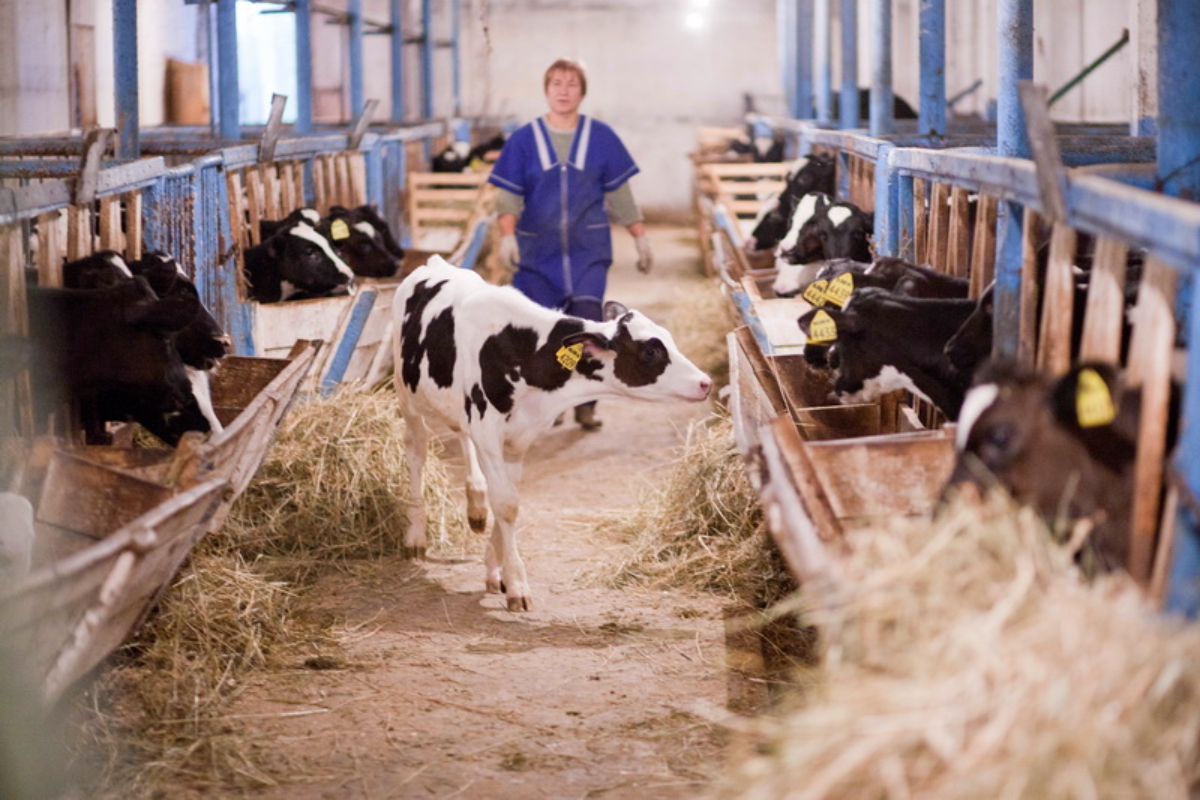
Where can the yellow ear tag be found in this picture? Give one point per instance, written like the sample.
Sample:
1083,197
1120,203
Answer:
840,289
338,230
569,356
822,329
1093,402
815,293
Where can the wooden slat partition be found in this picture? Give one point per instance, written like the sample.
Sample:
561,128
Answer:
1104,313
442,201
958,246
983,250
1027,323
939,226
920,222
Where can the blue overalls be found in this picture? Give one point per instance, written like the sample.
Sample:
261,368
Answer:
563,233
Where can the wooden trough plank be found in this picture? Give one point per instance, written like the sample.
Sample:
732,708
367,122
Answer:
751,404
805,476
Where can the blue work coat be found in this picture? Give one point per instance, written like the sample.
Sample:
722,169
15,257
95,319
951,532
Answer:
563,234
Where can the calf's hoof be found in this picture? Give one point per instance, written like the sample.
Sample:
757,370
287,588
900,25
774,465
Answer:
495,587
414,553
478,524
520,604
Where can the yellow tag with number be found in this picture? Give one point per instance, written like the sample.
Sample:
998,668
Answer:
1093,402
815,293
840,289
338,230
569,356
822,329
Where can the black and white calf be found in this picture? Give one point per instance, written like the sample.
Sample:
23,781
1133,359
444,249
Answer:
294,262
497,368
807,175
821,229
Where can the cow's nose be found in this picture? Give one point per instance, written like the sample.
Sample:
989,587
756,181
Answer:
705,387
227,343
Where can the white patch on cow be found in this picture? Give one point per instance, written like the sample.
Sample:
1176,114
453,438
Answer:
120,265
804,211
306,232
311,215
791,277
463,149
839,214
367,228
16,536
888,380
202,390
978,400
797,165
287,289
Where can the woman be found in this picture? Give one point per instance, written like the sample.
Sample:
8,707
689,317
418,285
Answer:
562,178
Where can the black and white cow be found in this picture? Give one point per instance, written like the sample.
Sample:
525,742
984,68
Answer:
821,229
812,174
362,239
886,342
497,369
295,262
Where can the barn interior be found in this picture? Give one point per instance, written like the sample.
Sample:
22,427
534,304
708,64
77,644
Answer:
932,533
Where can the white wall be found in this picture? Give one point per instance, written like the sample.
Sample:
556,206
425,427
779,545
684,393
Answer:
33,67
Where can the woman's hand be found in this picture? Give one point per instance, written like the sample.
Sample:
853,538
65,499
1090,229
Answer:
510,254
645,257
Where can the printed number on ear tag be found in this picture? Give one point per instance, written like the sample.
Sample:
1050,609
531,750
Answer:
822,329
338,230
815,293
1093,402
569,356
840,289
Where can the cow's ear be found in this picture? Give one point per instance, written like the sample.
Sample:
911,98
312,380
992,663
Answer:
613,310
591,341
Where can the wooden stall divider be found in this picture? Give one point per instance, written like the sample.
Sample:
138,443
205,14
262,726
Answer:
983,250
1058,304
920,222
959,244
939,226
1027,323
1104,312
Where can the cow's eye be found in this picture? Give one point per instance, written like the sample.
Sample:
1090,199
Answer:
652,352
997,443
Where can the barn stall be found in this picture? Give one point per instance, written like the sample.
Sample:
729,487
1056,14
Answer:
953,193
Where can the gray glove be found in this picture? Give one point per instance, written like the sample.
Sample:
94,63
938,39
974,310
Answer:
510,254
645,257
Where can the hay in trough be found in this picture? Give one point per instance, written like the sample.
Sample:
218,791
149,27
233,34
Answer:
333,487
703,528
701,317
969,659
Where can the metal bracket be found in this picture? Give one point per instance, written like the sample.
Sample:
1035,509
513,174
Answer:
266,147
95,145
1051,176
361,124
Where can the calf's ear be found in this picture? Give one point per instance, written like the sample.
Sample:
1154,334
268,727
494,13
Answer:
613,310
590,341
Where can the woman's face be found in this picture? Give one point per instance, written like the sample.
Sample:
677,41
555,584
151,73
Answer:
564,92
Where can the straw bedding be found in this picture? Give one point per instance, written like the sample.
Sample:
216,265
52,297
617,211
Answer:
701,316
968,659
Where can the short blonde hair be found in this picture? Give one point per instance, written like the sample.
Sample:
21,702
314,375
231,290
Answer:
567,65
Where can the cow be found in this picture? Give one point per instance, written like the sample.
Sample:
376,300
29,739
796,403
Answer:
821,229
1064,446
816,173
363,241
295,262
497,369
461,156
112,350
886,342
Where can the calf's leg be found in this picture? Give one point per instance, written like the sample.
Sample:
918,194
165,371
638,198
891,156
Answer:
505,569
476,486
416,442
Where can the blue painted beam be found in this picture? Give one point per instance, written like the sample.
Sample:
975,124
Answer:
125,66
349,341
785,25
1179,98
455,53
883,119
823,59
848,118
802,99
227,57
357,93
427,59
304,69
397,60
932,112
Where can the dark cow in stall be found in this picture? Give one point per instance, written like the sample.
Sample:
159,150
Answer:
886,342
112,350
358,236
497,369
461,156
821,229
1064,446
816,173
295,261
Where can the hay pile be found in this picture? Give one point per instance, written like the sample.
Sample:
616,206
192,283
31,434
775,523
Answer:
333,488
701,316
703,528
967,659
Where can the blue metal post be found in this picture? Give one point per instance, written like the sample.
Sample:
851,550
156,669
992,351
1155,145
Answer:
802,100
455,10
231,119
427,59
1015,19
1183,583
932,111
125,57
882,117
849,99
905,218
304,73
357,99
785,24
822,58
397,52
886,216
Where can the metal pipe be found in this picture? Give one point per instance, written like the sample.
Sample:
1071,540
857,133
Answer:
1015,21
802,102
304,72
427,59
125,62
822,58
456,54
231,119
932,112
882,118
397,52
785,25
1090,68
849,97
357,95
